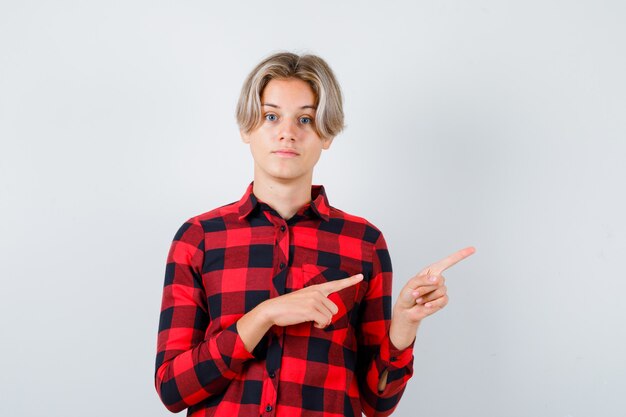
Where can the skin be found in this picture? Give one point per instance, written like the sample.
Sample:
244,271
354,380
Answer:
284,183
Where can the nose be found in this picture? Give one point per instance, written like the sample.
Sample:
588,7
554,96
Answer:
288,130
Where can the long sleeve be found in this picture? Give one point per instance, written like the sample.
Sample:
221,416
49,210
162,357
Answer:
376,352
191,367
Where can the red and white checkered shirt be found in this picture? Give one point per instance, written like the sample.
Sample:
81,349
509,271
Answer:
224,263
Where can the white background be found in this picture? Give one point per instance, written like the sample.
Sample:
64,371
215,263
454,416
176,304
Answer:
488,123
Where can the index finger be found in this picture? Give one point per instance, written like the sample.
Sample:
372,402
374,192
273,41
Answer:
440,266
333,286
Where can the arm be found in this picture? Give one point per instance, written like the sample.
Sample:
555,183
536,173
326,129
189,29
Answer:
307,304
189,366
382,369
423,295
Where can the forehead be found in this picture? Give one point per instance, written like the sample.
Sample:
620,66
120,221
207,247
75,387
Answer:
290,92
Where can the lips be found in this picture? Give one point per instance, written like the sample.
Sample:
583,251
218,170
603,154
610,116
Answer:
286,152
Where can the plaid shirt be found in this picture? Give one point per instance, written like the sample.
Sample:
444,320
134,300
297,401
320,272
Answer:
224,263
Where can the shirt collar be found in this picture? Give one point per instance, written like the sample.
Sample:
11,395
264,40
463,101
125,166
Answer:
319,202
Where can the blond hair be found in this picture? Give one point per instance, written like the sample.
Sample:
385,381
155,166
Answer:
309,68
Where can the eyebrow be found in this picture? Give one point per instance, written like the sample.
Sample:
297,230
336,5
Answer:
278,107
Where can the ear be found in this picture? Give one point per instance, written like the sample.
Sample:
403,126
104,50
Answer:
245,137
326,142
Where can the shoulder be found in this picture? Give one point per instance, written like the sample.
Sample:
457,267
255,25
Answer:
353,224
363,230
210,221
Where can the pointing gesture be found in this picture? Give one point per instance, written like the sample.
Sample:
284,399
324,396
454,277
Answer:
327,288
442,265
307,304
423,295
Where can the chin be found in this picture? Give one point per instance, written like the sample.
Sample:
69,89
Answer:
286,176
282,173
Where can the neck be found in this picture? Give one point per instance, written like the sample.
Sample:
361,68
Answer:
286,197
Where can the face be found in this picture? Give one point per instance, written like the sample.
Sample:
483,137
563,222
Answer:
285,147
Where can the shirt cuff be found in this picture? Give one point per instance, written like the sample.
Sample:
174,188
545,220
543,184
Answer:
396,358
232,348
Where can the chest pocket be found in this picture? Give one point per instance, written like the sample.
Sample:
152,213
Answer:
343,299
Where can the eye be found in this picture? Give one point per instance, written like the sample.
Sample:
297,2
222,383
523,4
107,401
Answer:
305,120
271,117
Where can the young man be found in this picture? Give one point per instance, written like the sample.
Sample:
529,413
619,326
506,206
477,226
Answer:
280,304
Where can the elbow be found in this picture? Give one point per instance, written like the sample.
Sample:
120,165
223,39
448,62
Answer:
371,412
379,405
174,408
170,396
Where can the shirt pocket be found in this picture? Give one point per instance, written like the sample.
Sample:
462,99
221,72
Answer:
344,299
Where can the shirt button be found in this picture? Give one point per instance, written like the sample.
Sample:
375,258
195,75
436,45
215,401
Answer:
272,375
282,228
268,408
282,265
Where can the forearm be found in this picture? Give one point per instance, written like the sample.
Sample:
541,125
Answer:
214,362
384,378
383,369
402,332
401,336
252,326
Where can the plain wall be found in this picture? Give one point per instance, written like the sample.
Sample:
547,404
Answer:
495,124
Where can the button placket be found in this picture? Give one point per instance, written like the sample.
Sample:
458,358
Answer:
274,354
282,239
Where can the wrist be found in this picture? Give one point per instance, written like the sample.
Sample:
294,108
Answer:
252,326
401,341
402,333
263,315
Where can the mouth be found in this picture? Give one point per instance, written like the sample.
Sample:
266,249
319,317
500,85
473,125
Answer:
287,153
